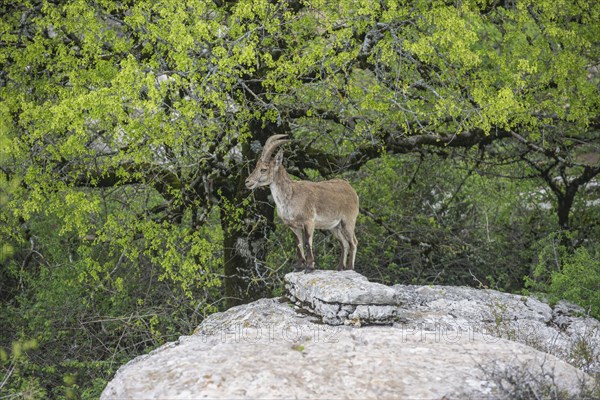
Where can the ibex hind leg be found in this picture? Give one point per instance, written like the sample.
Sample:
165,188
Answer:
347,232
353,249
337,232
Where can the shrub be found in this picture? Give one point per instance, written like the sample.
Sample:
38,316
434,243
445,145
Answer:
572,275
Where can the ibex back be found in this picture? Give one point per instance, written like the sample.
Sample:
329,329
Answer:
303,206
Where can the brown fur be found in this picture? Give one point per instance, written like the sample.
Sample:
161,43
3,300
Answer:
305,206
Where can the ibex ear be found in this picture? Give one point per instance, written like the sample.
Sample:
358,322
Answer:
279,158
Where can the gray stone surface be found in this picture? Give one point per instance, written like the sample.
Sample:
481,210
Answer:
267,350
439,342
563,331
349,298
344,297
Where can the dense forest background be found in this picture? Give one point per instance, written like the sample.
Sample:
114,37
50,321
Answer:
470,129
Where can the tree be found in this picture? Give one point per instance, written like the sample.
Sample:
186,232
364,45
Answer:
173,99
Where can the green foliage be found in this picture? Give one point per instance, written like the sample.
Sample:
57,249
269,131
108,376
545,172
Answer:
579,281
13,379
438,221
22,377
566,274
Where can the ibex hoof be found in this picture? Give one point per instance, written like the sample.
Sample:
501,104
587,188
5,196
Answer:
298,269
309,270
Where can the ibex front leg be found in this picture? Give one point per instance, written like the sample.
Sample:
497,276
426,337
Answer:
301,260
309,229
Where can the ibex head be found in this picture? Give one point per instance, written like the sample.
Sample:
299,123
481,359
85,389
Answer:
266,164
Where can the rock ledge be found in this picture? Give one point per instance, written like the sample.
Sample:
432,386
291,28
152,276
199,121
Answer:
343,298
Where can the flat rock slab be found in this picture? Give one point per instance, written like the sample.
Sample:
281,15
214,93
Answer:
246,353
344,297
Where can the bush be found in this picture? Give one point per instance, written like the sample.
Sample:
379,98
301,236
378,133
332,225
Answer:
569,275
520,382
578,281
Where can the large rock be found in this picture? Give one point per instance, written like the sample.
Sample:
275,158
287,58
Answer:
439,342
267,350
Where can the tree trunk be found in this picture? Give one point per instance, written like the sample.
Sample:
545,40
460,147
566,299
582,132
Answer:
566,199
245,250
245,235
563,210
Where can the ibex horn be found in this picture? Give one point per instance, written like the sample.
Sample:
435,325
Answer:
271,144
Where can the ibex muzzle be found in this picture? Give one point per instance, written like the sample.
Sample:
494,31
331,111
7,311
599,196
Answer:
303,206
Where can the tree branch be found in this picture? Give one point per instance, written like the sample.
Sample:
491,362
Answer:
405,239
394,144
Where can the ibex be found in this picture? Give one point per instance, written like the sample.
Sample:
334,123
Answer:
303,206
